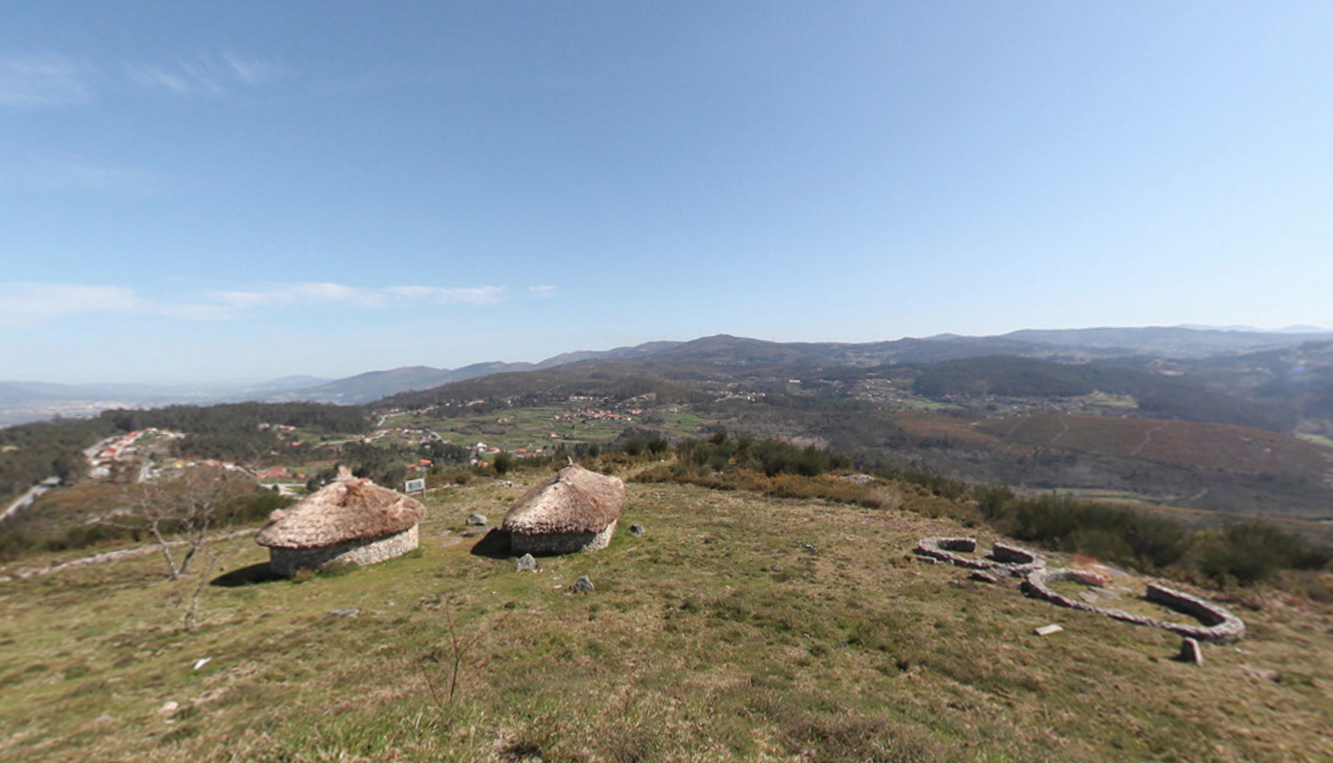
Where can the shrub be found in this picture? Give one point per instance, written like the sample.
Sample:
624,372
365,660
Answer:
1113,533
1250,552
993,501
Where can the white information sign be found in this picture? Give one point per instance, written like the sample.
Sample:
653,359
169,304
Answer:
416,486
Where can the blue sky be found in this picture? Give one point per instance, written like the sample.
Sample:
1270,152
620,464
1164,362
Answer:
247,190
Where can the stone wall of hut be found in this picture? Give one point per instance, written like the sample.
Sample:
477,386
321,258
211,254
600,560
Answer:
286,561
561,543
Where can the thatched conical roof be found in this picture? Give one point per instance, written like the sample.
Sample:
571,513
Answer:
575,500
343,511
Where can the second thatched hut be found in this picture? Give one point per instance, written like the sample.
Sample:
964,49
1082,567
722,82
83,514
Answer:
346,521
576,510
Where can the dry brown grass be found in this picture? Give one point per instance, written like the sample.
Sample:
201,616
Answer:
1195,444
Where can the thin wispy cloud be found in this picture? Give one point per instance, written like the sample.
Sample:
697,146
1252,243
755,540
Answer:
37,81
250,71
475,295
386,297
26,305
541,292
205,74
76,173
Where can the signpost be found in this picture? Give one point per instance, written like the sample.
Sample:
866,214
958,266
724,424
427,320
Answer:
415,486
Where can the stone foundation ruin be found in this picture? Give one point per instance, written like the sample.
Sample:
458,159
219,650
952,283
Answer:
1004,557
1219,626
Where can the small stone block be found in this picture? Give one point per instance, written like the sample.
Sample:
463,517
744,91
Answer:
584,584
637,531
1047,630
526,563
476,519
1191,652
983,577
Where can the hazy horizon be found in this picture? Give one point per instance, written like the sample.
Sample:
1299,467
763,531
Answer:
229,383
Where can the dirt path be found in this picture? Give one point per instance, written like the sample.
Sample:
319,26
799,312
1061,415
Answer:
1063,423
28,498
108,556
1147,438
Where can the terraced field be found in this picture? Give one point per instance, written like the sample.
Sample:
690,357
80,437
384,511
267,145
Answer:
1209,446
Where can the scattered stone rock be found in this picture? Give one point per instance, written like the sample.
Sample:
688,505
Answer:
775,568
858,479
637,531
202,662
473,532
982,576
584,584
475,519
348,612
1190,651
526,563
1265,675
104,718
168,708
1047,630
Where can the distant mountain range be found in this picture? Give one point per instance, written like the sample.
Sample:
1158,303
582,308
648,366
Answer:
29,401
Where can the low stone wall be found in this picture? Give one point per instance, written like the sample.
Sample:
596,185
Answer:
1219,625
286,561
1004,557
560,543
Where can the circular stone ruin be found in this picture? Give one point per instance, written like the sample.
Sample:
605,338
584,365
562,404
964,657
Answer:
1218,625
1004,557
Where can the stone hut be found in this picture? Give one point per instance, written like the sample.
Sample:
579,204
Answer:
576,510
345,521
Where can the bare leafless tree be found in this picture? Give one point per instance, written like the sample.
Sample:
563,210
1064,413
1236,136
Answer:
180,510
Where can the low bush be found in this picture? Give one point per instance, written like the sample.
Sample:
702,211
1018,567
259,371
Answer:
1252,552
1113,533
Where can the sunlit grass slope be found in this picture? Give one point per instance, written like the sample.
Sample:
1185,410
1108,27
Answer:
739,627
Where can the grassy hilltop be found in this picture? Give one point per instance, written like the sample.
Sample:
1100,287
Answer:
741,626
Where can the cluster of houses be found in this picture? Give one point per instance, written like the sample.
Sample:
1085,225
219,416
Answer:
279,473
352,520
106,455
598,414
481,450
